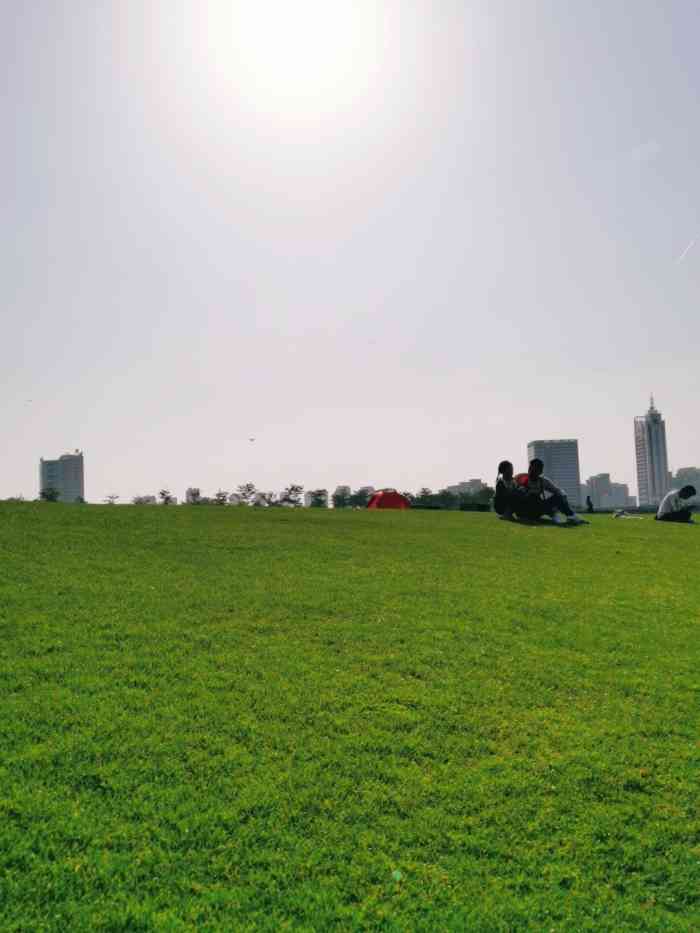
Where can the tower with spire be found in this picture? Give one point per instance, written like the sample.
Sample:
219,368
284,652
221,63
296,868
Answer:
653,477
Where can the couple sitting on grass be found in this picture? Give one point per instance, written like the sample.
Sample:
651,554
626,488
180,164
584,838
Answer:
531,495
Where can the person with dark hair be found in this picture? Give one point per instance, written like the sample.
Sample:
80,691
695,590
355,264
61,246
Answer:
508,493
544,498
675,506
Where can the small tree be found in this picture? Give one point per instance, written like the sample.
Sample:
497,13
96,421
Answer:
341,500
292,495
424,497
221,498
144,500
445,499
484,495
166,497
247,493
49,494
319,499
360,498
193,496
110,500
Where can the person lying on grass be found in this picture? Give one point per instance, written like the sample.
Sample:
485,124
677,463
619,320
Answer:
508,493
675,506
537,503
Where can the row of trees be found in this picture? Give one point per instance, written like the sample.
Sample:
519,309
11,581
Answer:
248,494
444,499
49,494
424,499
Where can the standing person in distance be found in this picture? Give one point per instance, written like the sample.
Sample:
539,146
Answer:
675,506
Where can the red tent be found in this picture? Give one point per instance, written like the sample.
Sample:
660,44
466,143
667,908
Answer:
388,499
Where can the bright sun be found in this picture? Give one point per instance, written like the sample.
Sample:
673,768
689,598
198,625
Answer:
295,57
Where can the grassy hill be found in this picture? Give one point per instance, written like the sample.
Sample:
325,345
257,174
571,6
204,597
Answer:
240,719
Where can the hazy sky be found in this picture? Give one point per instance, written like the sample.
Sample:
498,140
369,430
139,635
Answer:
392,241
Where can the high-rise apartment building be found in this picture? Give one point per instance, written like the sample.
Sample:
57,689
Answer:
653,477
66,475
561,464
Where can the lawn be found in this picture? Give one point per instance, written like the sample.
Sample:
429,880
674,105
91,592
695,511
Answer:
231,719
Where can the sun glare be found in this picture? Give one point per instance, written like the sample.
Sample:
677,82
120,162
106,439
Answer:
295,57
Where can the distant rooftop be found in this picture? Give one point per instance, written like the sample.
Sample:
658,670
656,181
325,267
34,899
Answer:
556,440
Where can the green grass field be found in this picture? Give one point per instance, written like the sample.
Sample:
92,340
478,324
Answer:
224,719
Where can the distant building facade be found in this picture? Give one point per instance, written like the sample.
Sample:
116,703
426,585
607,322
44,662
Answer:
608,495
687,476
600,490
468,487
66,475
561,464
653,477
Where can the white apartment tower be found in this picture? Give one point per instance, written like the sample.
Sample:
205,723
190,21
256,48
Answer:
66,475
653,478
561,464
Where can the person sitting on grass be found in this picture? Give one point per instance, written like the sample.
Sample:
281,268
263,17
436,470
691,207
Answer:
508,493
555,505
675,507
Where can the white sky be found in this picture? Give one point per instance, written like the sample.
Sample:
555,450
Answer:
392,241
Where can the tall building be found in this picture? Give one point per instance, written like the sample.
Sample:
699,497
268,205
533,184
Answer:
561,464
66,475
653,478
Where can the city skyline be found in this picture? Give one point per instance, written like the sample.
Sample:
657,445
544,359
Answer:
604,491
550,451
465,237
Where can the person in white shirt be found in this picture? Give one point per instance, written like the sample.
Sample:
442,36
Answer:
675,507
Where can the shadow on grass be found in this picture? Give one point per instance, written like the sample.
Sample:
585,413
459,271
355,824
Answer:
542,523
